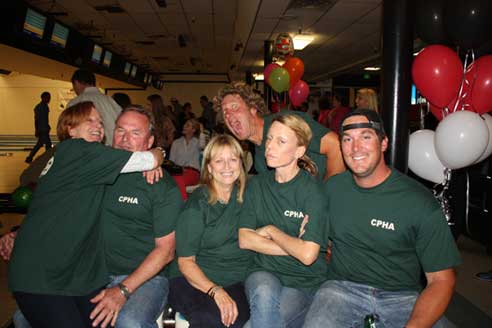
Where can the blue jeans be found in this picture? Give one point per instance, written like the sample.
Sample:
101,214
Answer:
145,304
140,311
19,320
274,305
345,304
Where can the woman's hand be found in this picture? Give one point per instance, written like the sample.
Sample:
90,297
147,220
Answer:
154,175
263,231
227,307
7,244
109,303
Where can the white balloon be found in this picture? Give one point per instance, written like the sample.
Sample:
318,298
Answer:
422,158
488,150
460,139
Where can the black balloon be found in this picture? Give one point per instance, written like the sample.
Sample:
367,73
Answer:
468,23
429,21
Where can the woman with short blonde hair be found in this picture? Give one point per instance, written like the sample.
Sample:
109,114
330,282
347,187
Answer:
283,220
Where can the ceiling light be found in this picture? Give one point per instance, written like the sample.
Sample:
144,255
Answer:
280,62
302,41
372,68
259,77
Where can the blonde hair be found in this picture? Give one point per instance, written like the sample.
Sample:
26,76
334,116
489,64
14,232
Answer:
371,98
213,147
304,135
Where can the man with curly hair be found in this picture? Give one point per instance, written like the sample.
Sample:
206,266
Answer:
243,112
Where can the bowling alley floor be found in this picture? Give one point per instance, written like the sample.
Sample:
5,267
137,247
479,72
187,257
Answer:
471,305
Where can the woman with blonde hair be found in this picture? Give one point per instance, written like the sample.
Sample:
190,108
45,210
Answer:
211,293
367,99
283,220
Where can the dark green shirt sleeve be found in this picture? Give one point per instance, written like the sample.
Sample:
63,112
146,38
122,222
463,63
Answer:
436,248
190,227
167,207
248,215
102,164
316,208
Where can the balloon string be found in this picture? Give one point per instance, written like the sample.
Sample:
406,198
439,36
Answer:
461,94
440,192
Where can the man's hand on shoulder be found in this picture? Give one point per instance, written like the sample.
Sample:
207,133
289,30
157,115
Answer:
153,176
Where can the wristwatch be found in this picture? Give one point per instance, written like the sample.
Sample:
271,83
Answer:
163,151
124,291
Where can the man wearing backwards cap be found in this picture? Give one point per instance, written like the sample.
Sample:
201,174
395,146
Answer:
385,229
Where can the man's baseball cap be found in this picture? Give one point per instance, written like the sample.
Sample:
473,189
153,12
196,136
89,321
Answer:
375,121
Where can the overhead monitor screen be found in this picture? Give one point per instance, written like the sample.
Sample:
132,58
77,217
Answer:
60,35
34,23
128,67
133,72
96,54
413,96
107,58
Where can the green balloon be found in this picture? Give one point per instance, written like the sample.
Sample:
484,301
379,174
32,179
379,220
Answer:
279,79
22,197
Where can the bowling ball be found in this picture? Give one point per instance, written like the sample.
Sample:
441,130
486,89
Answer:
22,197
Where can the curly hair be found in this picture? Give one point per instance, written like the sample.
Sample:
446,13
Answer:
246,93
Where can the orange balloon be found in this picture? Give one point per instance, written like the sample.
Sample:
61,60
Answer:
295,68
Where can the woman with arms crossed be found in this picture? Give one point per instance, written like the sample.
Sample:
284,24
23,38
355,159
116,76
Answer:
211,291
283,220
57,264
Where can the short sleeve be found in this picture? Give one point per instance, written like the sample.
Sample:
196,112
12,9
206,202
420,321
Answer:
167,207
190,228
101,164
317,209
247,218
436,247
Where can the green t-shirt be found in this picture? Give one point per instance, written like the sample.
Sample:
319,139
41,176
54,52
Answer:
383,236
59,248
313,150
134,214
284,205
210,233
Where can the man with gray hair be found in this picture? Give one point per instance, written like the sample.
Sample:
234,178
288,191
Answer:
137,223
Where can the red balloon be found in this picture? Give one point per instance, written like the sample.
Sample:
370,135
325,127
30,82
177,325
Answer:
437,72
295,68
463,103
298,93
268,69
481,94
436,111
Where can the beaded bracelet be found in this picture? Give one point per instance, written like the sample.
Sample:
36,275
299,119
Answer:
213,290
